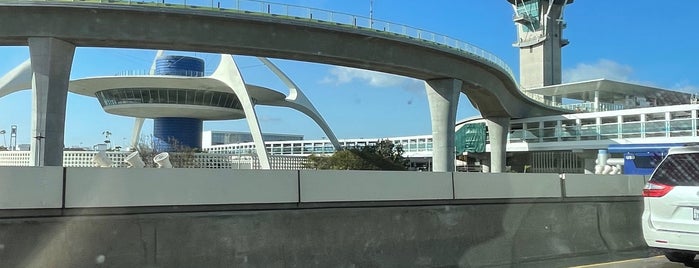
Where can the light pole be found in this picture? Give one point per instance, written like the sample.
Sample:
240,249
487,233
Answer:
371,14
4,140
106,134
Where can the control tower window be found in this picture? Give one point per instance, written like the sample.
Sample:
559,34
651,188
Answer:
529,10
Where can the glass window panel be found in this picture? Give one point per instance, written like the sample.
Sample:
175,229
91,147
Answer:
198,98
181,96
680,115
100,98
208,96
632,118
609,131
155,96
607,120
680,128
549,134
230,101
631,130
548,124
569,132
655,129
655,116
145,96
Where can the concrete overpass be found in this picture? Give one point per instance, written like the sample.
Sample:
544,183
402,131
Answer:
52,30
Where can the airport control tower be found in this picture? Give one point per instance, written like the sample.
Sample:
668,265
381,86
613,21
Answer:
539,39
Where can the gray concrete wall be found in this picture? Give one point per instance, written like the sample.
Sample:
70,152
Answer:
504,222
107,187
31,187
505,185
346,185
581,185
402,236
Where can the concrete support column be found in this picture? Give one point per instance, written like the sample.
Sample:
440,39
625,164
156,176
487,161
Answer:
51,63
595,102
443,98
498,128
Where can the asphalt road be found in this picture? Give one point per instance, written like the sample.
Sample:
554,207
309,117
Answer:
648,258
651,262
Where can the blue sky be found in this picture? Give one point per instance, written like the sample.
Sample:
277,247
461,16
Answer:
640,41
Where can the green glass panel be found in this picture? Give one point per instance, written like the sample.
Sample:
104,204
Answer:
471,138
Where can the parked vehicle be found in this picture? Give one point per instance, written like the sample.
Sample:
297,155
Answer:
671,205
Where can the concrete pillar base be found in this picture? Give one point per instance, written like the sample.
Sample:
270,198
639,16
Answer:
498,128
443,98
51,60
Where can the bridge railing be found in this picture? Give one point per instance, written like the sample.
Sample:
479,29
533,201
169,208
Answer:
319,15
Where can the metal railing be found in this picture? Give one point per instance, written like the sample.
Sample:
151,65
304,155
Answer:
294,12
606,126
586,107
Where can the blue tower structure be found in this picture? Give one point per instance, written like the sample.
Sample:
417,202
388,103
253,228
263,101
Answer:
173,133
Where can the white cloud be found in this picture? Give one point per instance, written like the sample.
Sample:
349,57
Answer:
612,70
684,86
603,68
344,75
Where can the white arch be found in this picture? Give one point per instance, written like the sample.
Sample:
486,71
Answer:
228,73
298,101
19,78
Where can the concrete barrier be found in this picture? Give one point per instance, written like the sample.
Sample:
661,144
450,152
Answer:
580,185
620,225
467,235
347,185
31,187
443,234
99,187
77,242
552,230
505,185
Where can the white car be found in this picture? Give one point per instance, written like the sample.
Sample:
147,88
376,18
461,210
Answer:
671,205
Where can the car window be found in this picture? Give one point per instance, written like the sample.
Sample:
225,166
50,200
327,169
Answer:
678,170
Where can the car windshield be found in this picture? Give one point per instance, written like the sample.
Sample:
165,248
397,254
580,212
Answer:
678,170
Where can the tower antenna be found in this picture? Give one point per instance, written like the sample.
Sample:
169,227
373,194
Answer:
371,13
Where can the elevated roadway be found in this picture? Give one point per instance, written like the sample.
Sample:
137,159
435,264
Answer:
447,69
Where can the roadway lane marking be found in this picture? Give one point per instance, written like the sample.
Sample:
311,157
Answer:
616,262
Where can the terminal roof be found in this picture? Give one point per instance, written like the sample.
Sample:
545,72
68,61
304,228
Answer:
609,91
